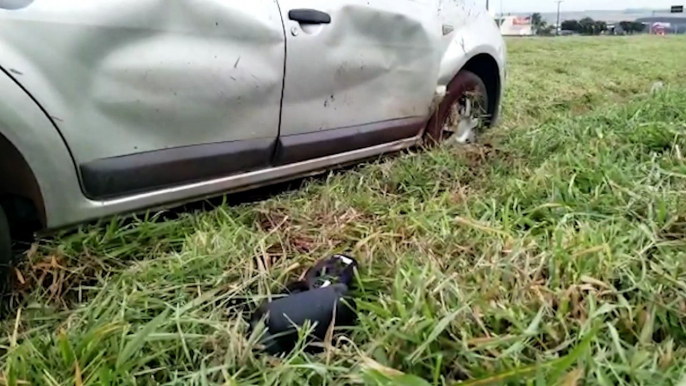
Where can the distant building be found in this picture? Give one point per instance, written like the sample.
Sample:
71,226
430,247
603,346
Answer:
661,25
515,25
610,17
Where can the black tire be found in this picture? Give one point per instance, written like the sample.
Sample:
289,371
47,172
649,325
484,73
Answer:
465,83
5,254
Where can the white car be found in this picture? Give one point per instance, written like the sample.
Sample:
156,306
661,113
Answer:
117,106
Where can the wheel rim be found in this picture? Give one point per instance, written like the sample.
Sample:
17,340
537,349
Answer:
464,118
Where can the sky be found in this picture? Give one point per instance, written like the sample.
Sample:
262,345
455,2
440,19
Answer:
580,5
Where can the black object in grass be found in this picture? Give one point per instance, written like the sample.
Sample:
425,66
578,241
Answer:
322,299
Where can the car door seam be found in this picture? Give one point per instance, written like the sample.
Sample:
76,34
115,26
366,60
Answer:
283,83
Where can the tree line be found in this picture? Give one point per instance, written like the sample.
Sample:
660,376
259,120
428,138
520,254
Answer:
585,26
632,26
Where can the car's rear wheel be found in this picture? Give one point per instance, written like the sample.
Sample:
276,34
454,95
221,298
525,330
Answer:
5,253
463,111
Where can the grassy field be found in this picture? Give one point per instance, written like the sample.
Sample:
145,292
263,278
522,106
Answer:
552,253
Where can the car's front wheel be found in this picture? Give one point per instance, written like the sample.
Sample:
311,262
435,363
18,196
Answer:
462,112
5,253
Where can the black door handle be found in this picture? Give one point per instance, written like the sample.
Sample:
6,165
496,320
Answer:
309,16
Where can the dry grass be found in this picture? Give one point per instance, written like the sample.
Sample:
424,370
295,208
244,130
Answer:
554,255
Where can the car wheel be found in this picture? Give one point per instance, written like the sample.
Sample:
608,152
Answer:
5,253
462,112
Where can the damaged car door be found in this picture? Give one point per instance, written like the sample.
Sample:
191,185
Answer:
359,73
151,94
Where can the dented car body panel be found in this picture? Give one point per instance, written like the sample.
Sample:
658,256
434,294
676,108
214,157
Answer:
376,61
151,103
473,35
127,76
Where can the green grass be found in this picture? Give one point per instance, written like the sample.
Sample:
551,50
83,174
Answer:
553,255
